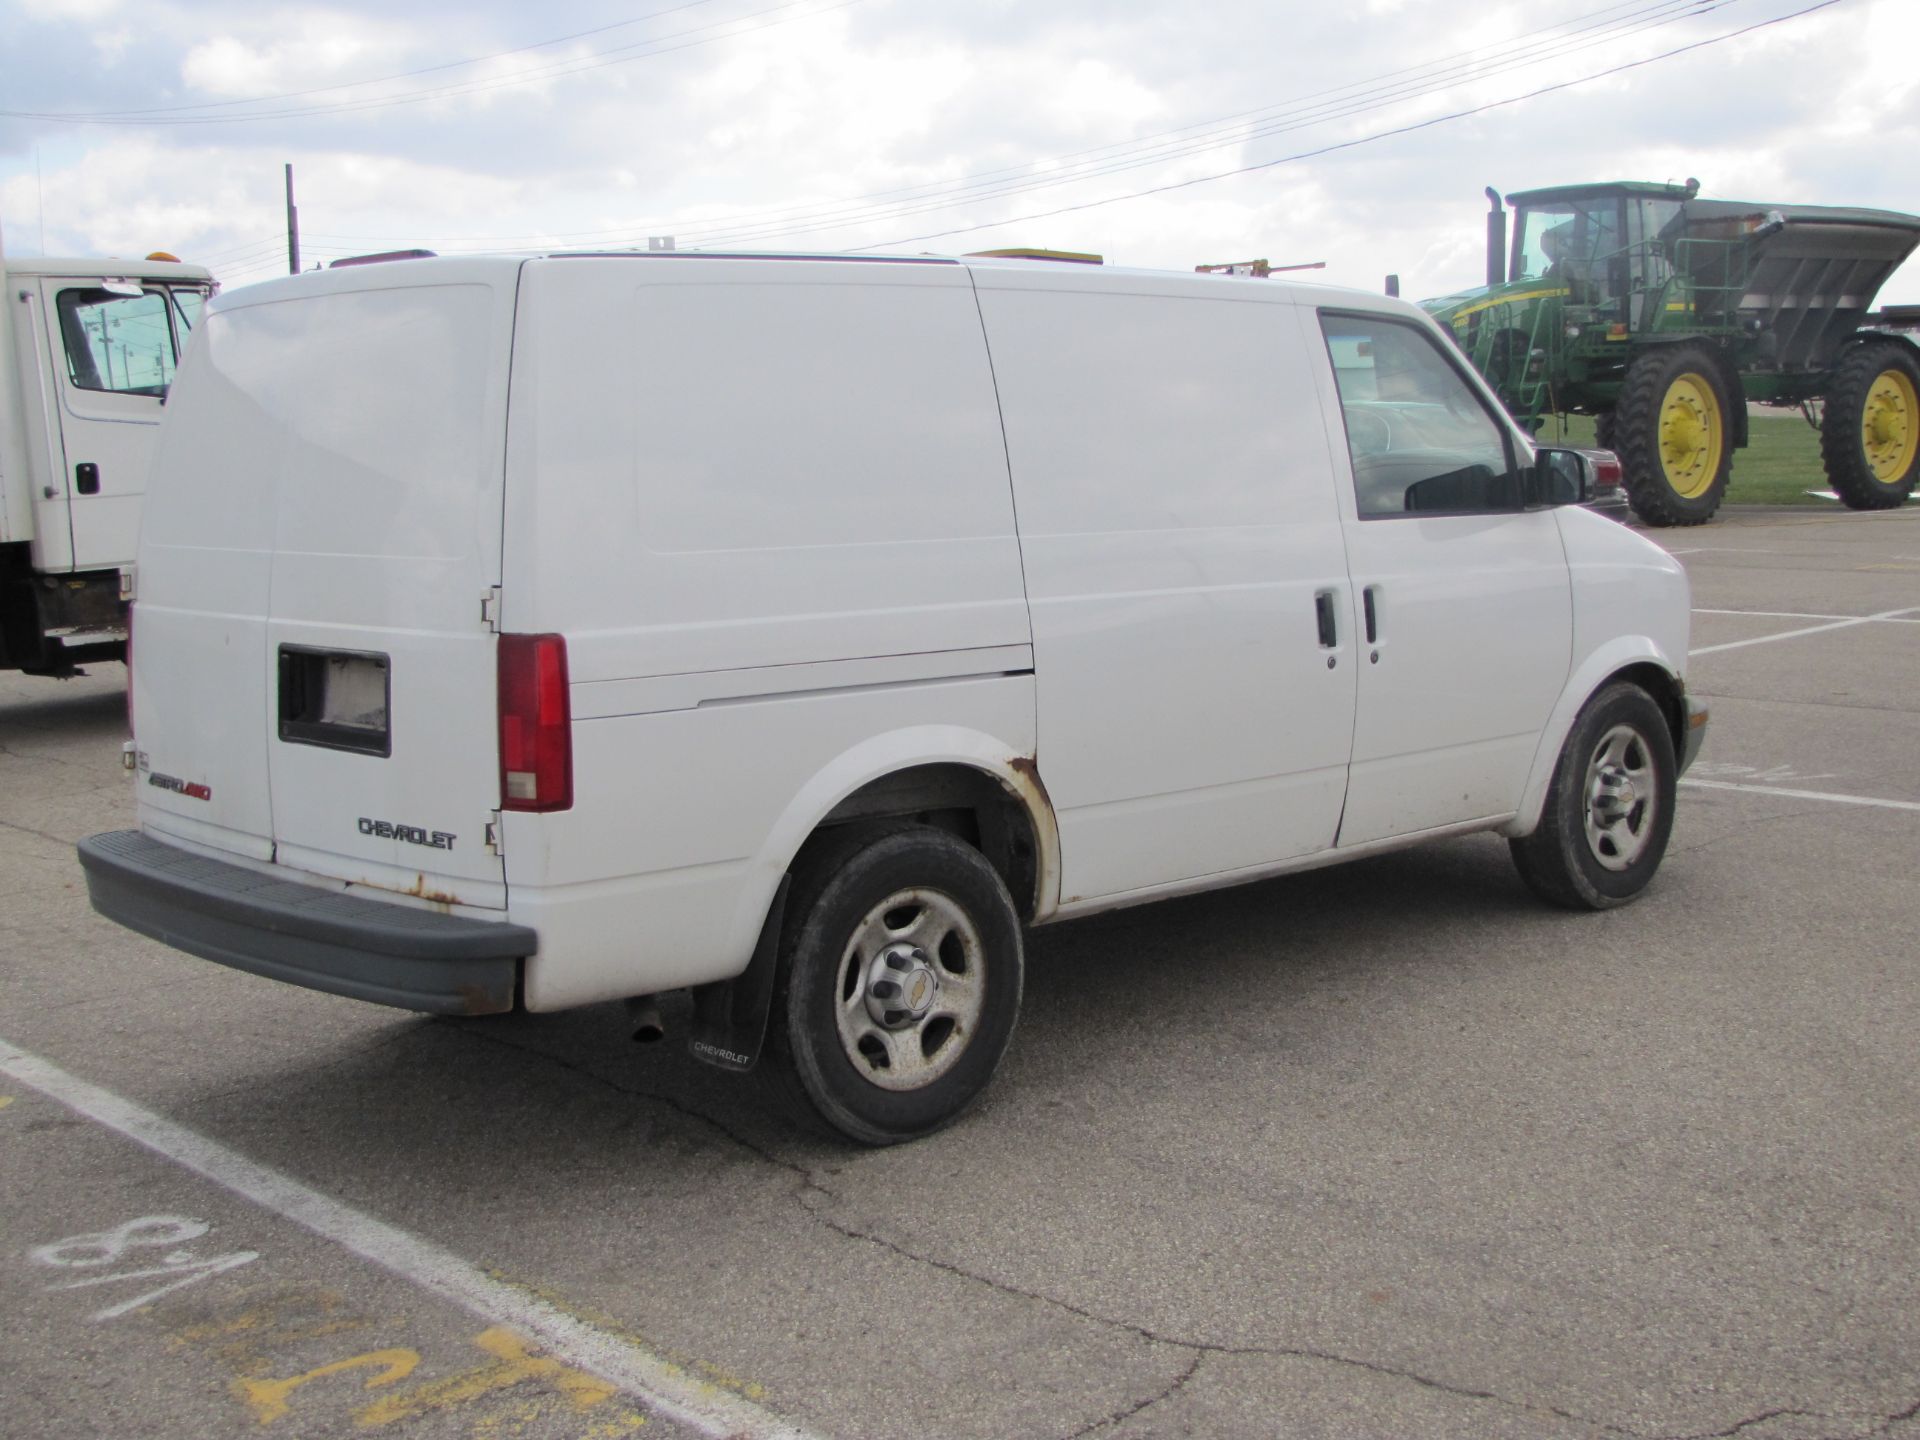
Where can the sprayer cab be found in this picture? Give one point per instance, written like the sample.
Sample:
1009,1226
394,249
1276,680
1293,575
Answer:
1663,315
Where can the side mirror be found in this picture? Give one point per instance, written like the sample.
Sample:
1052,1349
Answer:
1561,476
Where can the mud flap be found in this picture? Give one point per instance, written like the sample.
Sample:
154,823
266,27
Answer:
730,1016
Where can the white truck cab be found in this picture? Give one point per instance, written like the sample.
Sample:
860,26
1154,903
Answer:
87,351
530,632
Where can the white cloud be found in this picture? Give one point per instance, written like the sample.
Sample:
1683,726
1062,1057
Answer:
807,117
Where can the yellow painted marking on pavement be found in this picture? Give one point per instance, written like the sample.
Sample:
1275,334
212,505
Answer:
513,1365
268,1398
5,1100
659,1384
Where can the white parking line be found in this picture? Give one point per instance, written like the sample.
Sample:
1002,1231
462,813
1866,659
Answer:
1808,630
660,1385
1801,615
1804,794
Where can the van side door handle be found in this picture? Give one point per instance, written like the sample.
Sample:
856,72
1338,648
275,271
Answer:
1367,601
1323,611
86,478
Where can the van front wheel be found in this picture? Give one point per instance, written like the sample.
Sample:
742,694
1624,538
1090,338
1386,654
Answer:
1609,808
900,981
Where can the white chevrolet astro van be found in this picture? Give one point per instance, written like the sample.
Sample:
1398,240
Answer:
531,632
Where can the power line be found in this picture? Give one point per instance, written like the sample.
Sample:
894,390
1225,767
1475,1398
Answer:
1299,118
1580,31
1351,144
1362,97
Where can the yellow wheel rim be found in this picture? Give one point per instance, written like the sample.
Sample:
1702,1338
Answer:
1693,435
1888,430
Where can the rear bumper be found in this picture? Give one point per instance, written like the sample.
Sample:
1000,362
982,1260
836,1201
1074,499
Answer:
345,944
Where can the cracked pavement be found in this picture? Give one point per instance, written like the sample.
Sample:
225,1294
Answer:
1383,1150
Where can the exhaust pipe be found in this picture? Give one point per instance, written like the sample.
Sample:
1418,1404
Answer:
1496,240
643,1015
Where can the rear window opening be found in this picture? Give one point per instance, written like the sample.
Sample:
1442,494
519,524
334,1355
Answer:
337,699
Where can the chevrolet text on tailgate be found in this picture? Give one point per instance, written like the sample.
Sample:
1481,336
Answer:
521,633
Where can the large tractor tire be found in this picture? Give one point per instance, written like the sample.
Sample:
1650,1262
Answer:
1870,433
1671,431
1604,433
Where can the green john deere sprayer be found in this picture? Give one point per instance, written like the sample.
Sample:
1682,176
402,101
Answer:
1663,314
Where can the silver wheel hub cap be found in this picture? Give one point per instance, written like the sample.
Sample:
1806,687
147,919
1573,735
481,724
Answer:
912,984
1622,798
901,987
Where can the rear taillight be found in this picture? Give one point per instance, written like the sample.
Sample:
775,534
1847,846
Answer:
536,732
1607,474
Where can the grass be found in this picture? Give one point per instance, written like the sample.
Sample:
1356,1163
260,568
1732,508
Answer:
1780,464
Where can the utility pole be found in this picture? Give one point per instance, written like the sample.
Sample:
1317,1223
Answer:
293,227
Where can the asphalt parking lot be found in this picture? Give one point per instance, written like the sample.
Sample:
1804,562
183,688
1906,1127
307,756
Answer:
1385,1150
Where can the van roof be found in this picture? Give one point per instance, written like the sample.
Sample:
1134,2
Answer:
400,271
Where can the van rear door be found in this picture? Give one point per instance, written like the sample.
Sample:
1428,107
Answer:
380,653
356,423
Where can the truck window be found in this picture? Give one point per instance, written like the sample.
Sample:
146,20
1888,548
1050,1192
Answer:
1569,241
1421,440
122,343
188,306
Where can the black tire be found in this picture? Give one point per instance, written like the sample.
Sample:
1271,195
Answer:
1604,431
1672,433
956,965
1568,863
1870,431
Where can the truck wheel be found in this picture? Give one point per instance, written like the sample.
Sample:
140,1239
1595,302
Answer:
1870,434
1670,429
1609,808
1604,432
899,982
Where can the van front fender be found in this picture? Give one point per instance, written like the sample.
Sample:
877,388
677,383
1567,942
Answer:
1622,653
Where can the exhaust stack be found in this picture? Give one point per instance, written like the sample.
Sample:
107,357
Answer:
1496,240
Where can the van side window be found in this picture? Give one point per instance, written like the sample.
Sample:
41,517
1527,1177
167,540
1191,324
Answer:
1422,441
123,343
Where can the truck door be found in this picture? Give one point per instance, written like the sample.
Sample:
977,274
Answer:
1464,610
115,345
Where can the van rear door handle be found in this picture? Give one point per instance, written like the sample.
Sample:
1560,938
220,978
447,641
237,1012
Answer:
1323,609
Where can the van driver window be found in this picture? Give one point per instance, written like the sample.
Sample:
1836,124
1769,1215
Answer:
1421,440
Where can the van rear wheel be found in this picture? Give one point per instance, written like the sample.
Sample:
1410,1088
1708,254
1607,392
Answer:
900,981
1609,808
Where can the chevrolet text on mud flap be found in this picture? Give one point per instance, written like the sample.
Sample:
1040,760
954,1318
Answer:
412,834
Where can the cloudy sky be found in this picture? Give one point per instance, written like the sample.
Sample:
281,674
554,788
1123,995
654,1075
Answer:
1160,134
